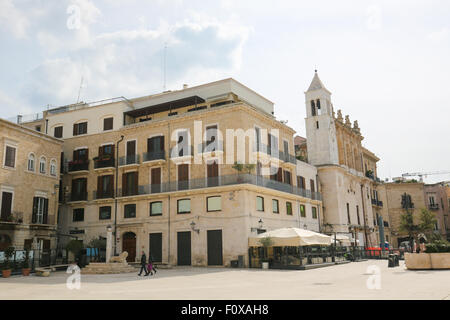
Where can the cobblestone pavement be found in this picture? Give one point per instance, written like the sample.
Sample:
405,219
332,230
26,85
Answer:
348,281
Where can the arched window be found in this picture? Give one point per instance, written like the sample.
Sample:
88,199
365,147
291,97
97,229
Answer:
31,160
53,167
42,165
313,108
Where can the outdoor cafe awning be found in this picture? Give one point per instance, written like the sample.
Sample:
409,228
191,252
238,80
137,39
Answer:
291,237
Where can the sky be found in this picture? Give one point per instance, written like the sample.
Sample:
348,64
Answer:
386,62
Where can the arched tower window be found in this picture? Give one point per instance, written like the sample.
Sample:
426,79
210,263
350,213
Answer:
31,162
313,108
42,164
53,167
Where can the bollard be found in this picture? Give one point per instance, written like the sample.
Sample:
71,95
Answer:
391,261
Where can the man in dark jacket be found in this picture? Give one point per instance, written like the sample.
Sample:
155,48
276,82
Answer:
143,264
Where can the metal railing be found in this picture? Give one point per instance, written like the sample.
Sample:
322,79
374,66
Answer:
104,163
210,147
222,181
433,206
102,195
130,159
78,165
274,152
83,196
156,155
176,152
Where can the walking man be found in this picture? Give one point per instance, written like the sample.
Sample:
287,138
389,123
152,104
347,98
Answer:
143,264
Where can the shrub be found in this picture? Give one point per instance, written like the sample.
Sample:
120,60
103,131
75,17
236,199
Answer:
438,247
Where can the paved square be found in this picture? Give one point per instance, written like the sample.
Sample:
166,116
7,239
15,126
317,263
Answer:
348,281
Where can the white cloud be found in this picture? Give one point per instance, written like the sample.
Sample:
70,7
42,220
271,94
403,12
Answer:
13,19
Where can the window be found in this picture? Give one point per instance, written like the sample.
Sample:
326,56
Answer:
259,203
105,186
302,211
311,182
6,207
301,182
58,132
108,124
156,208
317,124
211,138
314,212
289,208
31,159
130,211
78,214
38,128
130,183
53,168
10,157
348,213
80,128
313,108
40,210
275,208
79,189
42,164
287,177
214,203
184,206
104,213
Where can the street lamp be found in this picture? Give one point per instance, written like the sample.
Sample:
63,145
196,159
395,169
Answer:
193,227
115,195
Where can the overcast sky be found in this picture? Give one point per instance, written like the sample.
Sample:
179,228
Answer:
386,62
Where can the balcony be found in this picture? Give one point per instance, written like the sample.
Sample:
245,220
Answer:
377,203
78,196
101,163
212,146
102,195
12,218
129,160
222,181
154,156
280,155
433,206
78,165
176,152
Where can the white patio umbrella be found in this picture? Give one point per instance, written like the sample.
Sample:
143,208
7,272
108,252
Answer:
291,237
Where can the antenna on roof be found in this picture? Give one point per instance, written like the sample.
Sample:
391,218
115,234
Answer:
79,91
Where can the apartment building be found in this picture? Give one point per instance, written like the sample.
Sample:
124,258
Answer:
161,170
29,185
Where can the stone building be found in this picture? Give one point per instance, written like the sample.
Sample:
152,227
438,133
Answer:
29,185
436,200
178,195
347,171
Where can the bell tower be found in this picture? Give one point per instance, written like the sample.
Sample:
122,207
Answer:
320,126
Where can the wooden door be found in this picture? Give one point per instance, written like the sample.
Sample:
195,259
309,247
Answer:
214,244
156,247
129,245
213,174
6,205
183,176
184,248
156,180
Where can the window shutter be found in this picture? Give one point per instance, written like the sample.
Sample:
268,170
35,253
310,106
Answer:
45,216
136,182
35,208
124,184
99,187
111,184
280,175
161,143
112,151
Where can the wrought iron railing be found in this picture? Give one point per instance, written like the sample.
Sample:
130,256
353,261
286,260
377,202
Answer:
104,163
129,159
155,155
78,165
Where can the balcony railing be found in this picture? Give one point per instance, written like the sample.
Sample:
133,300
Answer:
78,165
223,181
102,195
100,163
210,147
286,157
156,155
130,159
433,206
376,202
78,196
176,152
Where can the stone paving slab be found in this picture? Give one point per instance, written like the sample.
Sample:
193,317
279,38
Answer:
347,281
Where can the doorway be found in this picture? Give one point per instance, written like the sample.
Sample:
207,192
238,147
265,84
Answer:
155,247
214,243
129,245
184,248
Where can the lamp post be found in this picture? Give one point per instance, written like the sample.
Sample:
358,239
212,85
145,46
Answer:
115,194
108,243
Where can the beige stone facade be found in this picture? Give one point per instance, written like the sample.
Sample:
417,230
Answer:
29,186
241,203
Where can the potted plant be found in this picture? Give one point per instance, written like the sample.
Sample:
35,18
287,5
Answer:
266,242
26,263
6,268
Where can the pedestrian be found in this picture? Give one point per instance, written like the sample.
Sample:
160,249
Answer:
143,264
151,267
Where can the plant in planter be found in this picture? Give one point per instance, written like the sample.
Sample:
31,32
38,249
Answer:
75,247
239,167
6,268
26,263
